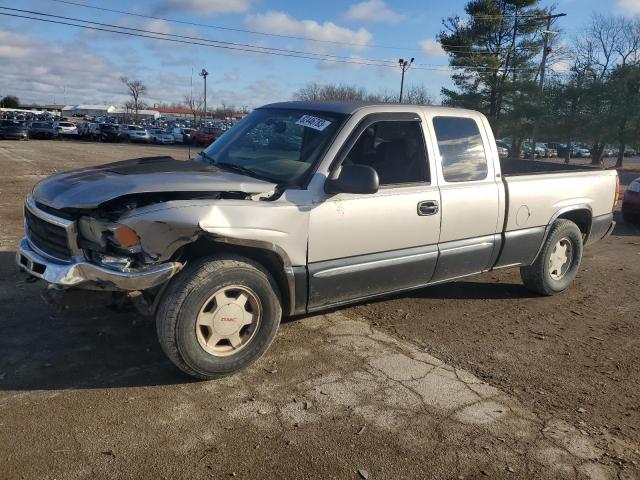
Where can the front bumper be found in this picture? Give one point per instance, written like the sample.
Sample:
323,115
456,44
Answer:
82,274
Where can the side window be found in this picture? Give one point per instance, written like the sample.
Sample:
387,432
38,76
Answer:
461,149
395,149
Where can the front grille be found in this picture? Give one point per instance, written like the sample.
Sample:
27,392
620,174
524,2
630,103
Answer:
51,239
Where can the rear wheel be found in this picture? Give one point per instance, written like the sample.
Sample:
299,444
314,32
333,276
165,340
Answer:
218,316
558,262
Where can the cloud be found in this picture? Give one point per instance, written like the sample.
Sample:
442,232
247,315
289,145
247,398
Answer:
31,72
630,7
82,75
372,11
204,7
282,24
431,48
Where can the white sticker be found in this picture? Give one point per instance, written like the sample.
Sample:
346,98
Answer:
313,122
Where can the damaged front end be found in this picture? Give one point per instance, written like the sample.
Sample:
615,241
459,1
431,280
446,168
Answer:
129,243
59,250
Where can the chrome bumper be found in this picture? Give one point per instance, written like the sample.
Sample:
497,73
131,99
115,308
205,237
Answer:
82,274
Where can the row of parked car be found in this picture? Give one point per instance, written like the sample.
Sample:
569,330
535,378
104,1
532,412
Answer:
551,150
107,132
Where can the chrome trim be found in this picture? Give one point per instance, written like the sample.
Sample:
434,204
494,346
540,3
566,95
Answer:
359,267
82,274
465,247
70,227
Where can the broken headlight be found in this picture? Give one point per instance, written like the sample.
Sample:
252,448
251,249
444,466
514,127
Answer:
101,235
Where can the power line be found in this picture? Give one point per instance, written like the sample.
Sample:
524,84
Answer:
240,30
186,37
141,33
230,29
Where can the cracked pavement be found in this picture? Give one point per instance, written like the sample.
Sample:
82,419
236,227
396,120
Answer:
332,396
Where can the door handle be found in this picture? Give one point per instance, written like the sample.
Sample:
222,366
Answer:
429,207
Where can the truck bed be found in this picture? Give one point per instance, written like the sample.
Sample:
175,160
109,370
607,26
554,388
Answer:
512,167
534,197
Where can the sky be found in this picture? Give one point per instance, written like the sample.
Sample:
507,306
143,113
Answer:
51,63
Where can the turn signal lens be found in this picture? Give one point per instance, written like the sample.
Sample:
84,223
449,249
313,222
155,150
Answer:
125,236
617,197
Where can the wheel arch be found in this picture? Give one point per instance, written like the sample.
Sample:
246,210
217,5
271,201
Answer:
273,258
580,214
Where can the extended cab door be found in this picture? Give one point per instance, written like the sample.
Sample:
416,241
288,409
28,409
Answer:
470,191
366,244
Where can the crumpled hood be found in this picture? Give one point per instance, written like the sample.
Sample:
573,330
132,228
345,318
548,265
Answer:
90,187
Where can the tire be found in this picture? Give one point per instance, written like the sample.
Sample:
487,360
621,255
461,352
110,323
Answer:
543,276
190,292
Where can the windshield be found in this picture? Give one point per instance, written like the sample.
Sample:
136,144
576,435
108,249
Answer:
278,145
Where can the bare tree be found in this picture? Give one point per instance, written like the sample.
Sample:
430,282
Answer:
137,90
418,95
628,47
314,92
195,105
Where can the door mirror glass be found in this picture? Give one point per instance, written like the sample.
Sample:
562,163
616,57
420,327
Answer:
354,179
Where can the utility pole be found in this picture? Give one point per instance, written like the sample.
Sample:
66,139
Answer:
543,66
404,66
204,74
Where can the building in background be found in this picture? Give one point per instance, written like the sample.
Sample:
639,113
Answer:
90,110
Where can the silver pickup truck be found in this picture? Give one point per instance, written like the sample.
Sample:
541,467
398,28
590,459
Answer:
305,206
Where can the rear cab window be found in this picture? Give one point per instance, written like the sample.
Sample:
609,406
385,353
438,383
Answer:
461,149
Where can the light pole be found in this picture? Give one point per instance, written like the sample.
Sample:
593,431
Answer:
204,74
404,66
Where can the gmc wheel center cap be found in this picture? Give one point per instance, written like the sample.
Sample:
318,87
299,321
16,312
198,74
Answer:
228,319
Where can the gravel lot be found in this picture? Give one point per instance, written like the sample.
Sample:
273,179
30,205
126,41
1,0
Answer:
474,379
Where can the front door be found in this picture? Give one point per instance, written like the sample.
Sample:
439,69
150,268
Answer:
364,245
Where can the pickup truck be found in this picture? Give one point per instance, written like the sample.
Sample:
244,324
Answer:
306,206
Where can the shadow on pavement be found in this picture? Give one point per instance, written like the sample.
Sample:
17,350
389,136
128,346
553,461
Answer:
624,229
86,346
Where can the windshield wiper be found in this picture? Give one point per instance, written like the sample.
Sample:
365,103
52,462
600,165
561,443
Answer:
238,169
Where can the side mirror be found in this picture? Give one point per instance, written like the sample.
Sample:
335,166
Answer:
354,179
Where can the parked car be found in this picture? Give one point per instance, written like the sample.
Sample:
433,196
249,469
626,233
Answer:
182,135
109,132
205,135
580,152
544,151
631,202
13,130
503,149
161,136
258,233
135,133
44,130
66,129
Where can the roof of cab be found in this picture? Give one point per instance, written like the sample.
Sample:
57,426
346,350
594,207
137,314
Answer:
350,107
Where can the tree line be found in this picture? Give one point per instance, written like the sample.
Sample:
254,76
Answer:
592,94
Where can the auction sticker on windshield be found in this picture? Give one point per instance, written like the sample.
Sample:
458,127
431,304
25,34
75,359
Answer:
313,122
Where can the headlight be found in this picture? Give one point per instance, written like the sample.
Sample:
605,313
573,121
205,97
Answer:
104,233
634,186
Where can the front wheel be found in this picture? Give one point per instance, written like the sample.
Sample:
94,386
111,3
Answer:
558,262
218,316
